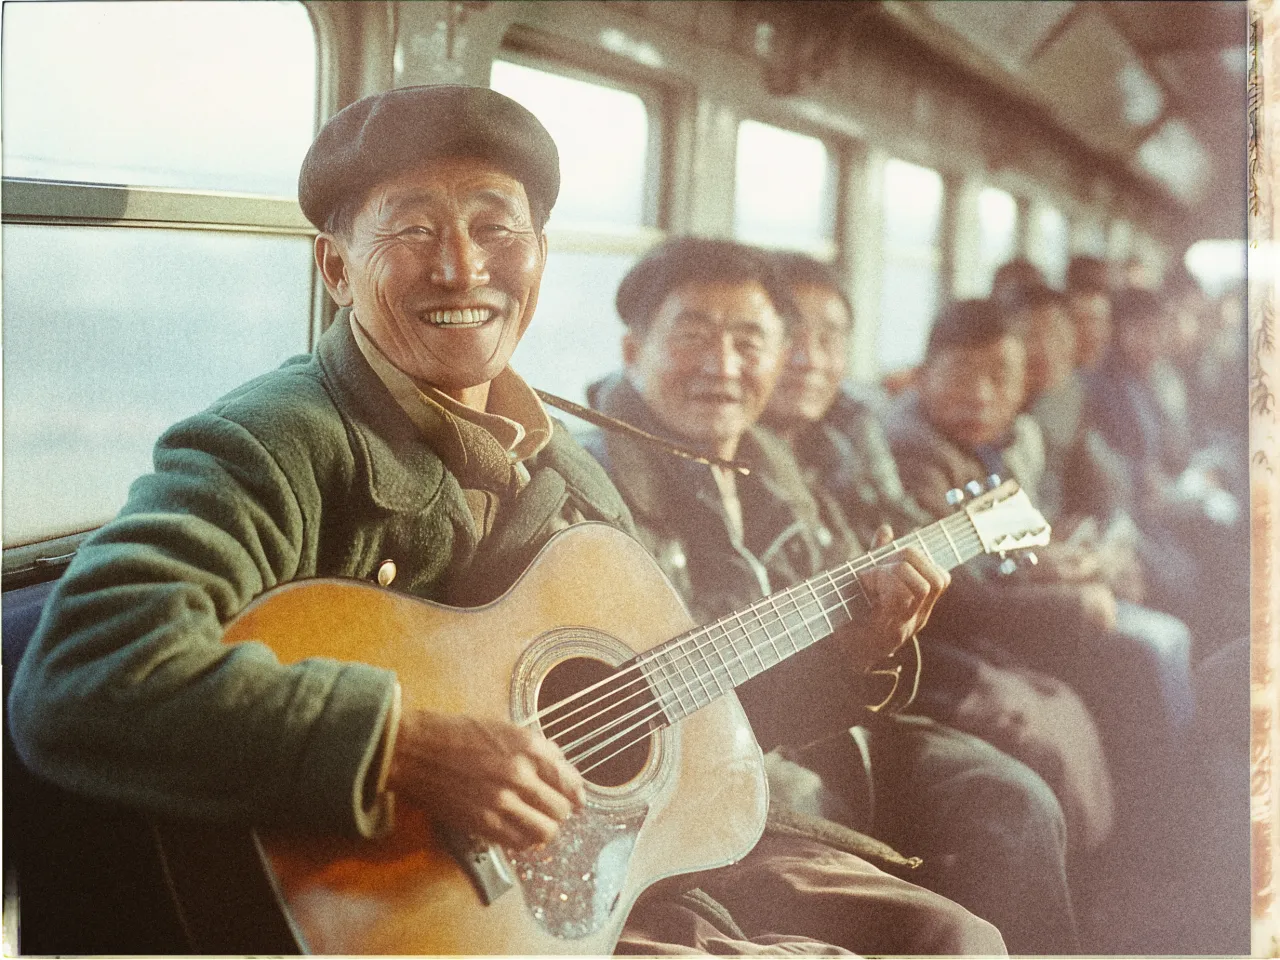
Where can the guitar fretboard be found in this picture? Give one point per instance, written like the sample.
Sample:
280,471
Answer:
689,671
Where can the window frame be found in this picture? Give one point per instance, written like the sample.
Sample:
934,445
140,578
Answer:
939,257
656,203
830,252
53,202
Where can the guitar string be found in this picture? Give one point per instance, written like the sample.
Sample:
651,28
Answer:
643,723
836,579
648,712
653,714
762,622
749,631
780,617
967,533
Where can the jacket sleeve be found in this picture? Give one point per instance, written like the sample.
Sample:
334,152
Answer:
1043,623
127,691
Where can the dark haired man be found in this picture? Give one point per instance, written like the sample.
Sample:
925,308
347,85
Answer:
1089,303
845,456
1083,476
1179,488
705,322
1129,663
404,452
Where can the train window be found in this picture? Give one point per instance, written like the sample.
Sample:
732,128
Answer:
137,93
154,256
578,336
911,279
103,350
1051,249
784,190
610,169
997,230
1218,265
603,137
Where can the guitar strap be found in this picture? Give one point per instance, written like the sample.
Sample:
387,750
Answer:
607,422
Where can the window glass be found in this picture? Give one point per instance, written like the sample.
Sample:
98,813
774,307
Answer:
784,191
112,335
997,230
1053,247
576,336
200,95
603,137
912,204
1217,264
911,278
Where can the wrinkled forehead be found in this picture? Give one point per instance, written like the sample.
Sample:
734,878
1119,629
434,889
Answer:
711,305
449,180
818,306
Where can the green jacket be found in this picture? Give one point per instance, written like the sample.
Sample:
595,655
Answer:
127,692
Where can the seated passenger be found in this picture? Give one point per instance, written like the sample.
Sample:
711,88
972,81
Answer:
1012,278
701,352
1130,664
1138,403
1082,477
845,455
1087,488
1089,304
404,452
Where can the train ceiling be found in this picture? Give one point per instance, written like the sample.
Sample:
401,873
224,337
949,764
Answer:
1159,87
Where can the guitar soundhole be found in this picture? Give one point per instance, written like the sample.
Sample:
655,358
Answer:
605,730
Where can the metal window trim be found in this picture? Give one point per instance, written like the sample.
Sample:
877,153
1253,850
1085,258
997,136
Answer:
57,201
637,241
41,560
519,49
827,248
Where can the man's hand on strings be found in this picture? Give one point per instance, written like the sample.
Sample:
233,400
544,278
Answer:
902,591
488,778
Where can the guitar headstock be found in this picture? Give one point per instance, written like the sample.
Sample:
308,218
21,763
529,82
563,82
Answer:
1006,520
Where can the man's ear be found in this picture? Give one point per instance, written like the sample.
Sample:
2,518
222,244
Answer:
333,268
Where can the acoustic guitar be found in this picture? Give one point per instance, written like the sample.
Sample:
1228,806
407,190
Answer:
594,648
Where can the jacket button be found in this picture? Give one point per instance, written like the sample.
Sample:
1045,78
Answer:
386,573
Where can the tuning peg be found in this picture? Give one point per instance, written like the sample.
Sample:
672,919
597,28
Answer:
1008,565
1031,557
993,481
973,488
955,496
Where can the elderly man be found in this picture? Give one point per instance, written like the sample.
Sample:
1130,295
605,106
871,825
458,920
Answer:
703,347
405,452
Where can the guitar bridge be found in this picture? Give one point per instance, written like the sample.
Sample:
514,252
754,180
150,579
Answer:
484,863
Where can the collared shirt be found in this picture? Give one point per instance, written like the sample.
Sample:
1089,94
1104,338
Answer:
484,449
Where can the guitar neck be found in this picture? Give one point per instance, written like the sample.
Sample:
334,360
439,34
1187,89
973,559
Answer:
690,671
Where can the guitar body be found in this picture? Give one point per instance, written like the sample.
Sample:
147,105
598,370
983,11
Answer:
691,797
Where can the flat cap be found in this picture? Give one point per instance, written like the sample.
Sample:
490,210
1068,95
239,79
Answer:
386,133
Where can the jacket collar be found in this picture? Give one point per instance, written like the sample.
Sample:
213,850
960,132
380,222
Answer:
659,486
400,470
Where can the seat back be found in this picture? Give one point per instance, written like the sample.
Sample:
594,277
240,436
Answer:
87,874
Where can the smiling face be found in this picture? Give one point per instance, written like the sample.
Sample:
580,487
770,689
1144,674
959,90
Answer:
707,362
972,394
1050,340
441,266
1091,313
816,356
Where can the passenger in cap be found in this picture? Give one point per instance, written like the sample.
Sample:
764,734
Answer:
402,452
